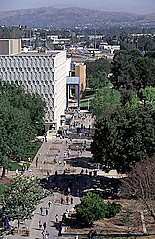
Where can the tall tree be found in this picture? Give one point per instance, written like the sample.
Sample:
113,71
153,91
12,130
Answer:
131,71
99,65
125,136
149,96
20,99
98,80
140,184
20,198
104,100
21,116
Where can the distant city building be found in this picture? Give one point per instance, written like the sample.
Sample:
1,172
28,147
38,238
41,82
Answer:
52,37
42,72
109,48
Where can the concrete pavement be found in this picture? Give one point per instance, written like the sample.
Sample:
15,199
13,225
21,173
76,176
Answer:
63,172
53,149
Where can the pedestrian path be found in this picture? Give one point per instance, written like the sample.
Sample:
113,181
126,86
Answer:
51,161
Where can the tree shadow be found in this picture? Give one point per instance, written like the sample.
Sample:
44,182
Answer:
78,184
56,225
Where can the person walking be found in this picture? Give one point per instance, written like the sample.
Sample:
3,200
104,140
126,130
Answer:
94,234
56,218
46,211
36,162
17,172
40,224
62,200
44,226
60,229
52,192
90,234
47,235
67,199
49,204
71,200
44,234
41,211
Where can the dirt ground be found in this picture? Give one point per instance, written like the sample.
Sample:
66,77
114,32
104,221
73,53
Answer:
4,180
127,221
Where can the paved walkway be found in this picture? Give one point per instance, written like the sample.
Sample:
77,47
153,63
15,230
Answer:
54,148
53,164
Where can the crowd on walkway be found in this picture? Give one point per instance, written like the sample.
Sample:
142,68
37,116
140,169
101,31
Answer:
60,159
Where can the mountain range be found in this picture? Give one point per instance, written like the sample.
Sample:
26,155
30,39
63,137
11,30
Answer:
72,17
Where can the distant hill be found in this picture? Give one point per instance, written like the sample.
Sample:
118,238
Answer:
69,17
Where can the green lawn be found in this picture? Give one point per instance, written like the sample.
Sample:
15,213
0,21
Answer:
2,188
14,166
89,94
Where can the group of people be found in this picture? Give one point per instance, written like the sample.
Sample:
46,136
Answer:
42,226
92,234
41,211
68,200
45,234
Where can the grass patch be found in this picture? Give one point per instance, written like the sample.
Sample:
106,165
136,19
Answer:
14,165
89,94
84,104
34,149
2,188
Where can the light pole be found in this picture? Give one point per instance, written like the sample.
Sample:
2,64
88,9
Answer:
88,104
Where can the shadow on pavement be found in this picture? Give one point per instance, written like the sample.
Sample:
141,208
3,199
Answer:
78,184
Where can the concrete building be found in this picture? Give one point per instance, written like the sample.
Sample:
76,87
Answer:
75,82
109,48
10,46
42,72
80,70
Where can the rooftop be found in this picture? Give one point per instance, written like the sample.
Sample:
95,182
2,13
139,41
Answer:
38,53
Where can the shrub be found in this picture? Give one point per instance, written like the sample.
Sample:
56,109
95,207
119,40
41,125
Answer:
92,208
112,209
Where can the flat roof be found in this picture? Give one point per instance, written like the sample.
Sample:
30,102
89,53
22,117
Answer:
38,53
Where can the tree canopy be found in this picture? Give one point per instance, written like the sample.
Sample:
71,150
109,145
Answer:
18,98
98,80
124,137
93,208
140,184
21,116
97,73
99,65
21,197
149,96
104,100
131,71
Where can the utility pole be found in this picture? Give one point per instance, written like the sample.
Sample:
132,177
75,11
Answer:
95,39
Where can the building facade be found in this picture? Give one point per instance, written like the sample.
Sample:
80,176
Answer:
10,46
42,72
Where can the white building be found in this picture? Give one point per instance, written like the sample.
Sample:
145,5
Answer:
42,72
109,48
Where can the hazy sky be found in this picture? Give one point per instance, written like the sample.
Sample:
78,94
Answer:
136,6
